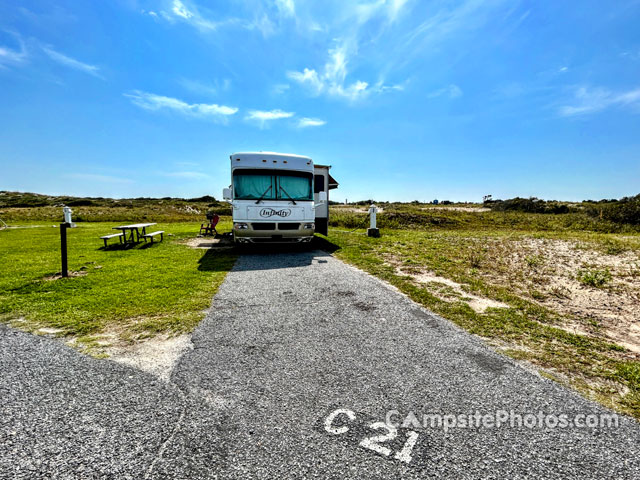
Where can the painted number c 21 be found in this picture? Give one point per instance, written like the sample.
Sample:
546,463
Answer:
388,433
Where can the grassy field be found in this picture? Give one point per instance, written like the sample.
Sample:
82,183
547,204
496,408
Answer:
129,293
511,278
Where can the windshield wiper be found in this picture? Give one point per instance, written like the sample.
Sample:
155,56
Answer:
290,197
262,196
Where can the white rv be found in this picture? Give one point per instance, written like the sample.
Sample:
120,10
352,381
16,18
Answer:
277,197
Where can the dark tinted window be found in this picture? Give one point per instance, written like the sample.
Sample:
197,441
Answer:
318,182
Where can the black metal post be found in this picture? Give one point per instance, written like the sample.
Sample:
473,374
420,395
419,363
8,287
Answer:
63,248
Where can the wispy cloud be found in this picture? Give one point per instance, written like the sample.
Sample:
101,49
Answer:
280,88
310,122
72,62
332,79
286,7
264,116
94,177
200,18
13,56
590,101
187,175
355,24
451,91
153,102
192,16
449,21
205,88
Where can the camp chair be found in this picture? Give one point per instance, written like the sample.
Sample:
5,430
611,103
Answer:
210,228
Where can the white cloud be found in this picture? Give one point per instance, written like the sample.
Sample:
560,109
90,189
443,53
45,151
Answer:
94,177
190,15
310,122
598,99
332,79
286,7
180,10
12,56
268,114
72,62
264,116
451,91
153,102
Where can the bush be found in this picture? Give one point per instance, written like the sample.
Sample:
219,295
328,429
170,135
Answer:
529,205
594,278
625,210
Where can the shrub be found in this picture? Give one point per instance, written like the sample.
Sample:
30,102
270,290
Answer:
594,278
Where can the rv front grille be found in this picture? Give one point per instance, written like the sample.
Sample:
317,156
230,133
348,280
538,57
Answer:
263,226
288,226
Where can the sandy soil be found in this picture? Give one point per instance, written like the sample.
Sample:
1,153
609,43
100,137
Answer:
458,209
446,289
156,355
545,271
355,209
210,242
456,292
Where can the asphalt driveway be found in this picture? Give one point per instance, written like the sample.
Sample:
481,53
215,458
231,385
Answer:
300,359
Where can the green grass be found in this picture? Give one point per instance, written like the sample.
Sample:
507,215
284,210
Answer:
139,291
524,330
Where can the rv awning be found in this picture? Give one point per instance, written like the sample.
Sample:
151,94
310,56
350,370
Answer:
333,183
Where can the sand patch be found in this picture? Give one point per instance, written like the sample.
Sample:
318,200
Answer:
478,304
220,242
156,355
355,209
546,271
450,291
458,209
72,274
50,331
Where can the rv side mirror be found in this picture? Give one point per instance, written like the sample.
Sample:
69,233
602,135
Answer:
226,194
322,197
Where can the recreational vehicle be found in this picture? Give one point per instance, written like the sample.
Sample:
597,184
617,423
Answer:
278,197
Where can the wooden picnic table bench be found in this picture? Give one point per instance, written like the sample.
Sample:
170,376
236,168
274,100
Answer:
152,234
135,231
113,235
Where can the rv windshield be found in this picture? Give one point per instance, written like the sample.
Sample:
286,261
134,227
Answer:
272,185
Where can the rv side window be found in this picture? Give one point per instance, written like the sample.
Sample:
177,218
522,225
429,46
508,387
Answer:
318,184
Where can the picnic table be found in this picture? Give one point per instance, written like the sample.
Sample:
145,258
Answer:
132,233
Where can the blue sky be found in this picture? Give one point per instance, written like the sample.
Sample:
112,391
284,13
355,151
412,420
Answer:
406,99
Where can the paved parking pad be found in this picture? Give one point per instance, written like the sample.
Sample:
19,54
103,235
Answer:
294,374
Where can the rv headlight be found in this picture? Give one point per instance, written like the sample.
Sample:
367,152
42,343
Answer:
309,225
240,226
